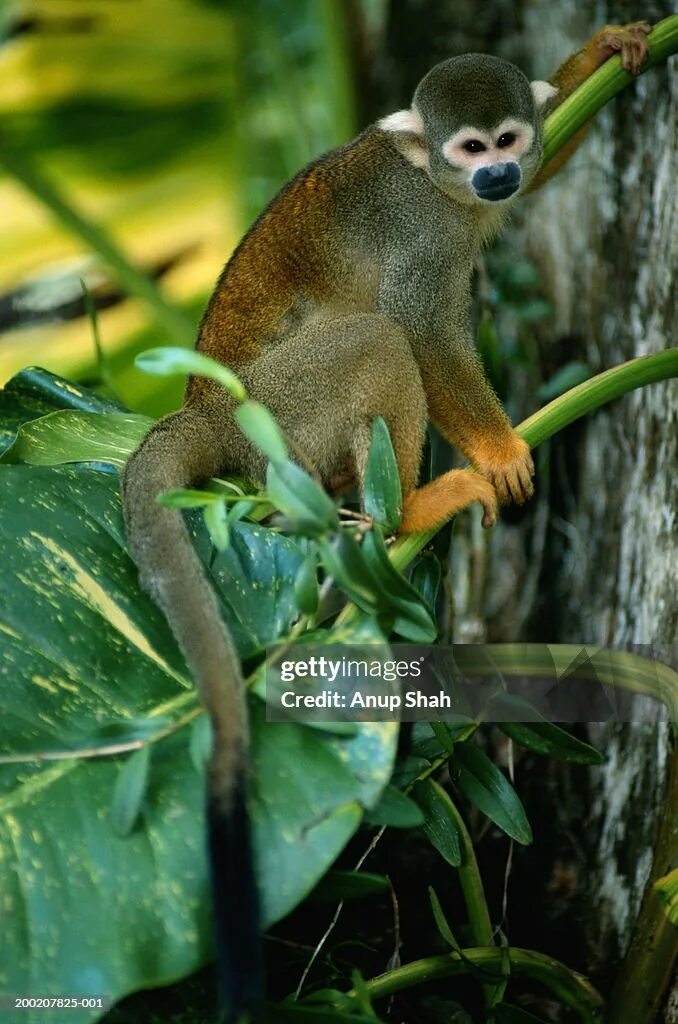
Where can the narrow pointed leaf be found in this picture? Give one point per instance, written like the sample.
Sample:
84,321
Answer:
171,362
186,497
382,494
442,924
426,577
129,791
349,885
543,737
217,523
343,559
306,585
300,498
440,825
396,810
260,426
487,787
411,619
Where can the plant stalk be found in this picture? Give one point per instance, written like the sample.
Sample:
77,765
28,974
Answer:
650,962
601,86
566,985
575,403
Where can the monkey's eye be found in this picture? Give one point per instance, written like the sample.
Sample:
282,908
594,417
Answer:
507,139
474,146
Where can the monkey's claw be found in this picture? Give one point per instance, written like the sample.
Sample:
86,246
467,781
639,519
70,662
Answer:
509,468
628,41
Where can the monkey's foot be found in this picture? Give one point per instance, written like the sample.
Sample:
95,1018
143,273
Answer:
432,505
508,466
628,41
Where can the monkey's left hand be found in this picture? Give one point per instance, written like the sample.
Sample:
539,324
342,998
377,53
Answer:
508,466
626,40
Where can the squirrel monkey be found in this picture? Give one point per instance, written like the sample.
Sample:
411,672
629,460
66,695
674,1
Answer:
348,299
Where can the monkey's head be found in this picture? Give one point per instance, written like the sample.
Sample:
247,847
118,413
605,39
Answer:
475,127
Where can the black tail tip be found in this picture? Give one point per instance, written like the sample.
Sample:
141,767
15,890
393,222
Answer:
236,911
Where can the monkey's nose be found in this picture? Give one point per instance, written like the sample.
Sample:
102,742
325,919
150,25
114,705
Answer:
496,181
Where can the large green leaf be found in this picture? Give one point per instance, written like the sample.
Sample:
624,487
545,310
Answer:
35,392
69,436
87,660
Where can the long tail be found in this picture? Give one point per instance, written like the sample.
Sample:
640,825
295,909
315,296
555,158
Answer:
179,451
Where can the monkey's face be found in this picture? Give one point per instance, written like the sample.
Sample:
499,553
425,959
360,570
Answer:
474,127
485,166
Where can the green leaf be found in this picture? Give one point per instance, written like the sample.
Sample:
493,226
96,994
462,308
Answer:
349,885
306,585
33,393
171,362
259,425
343,559
440,825
127,730
667,890
442,924
382,494
408,770
69,436
431,743
426,577
85,653
411,619
566,377
300,498
200,743
487,787
217,523
187,497
541,736
130,790
396,810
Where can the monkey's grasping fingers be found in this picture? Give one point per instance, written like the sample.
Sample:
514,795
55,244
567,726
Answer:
518,481
508,467
626,40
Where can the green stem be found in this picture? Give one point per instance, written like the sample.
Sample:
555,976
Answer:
602,85
566,985
630,672
650,963
472,886
178,326
559,413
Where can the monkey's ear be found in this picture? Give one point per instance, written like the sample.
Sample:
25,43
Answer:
407,129
542,93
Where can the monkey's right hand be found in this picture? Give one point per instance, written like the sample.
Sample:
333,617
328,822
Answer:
508,466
